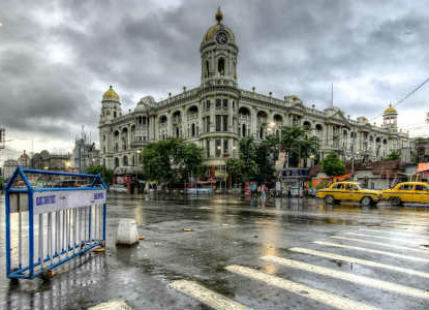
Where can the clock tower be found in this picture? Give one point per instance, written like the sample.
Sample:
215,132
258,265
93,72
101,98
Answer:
219,55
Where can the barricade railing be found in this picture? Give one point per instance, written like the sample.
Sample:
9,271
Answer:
51,217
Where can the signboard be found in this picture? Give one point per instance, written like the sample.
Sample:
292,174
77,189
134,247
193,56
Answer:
51,201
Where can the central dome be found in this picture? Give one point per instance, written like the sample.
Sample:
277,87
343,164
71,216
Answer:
390,110
211,32
110,94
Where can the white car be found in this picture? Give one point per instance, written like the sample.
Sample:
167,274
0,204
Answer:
119,188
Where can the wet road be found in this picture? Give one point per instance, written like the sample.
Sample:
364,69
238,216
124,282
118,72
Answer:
243,254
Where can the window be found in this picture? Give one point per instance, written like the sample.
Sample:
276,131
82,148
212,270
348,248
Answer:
114,114
207,68
193,130
406,187
221,66
243,130
225,146
144,120
225,123
125,160
218,146
225,103
208,105
218,103
338,186
421,188
177,132
261,133
218,123
116,162
208,124
208,148
133,160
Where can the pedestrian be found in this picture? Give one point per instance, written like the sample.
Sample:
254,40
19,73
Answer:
263,191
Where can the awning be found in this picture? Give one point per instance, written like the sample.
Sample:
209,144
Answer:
422,167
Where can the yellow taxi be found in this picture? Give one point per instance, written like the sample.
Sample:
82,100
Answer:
348,191
417,192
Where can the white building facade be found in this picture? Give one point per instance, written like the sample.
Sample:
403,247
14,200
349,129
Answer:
217,114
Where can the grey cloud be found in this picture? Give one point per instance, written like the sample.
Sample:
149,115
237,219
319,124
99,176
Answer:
288,47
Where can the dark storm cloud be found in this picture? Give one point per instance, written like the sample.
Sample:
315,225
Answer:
56,58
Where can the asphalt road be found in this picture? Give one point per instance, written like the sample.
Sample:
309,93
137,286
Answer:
244,254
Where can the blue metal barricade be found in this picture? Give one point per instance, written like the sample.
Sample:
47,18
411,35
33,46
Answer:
51,217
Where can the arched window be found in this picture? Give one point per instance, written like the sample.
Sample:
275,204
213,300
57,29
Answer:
177,132
125,160
207,68
116,162
193,130
261,133
243,130
221,66
307,125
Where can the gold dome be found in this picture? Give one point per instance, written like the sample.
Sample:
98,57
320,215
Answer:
211,32
110,94
390,110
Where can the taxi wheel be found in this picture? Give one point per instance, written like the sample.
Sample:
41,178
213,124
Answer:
366,201
329,200
395,201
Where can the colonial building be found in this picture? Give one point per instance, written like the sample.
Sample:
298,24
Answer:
216,114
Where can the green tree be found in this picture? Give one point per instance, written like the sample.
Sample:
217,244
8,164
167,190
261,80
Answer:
235,168
298,144
171,160
265,159
247,151
105,173
393,155
188,158
332,165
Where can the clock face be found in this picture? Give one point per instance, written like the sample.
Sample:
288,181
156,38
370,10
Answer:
221,37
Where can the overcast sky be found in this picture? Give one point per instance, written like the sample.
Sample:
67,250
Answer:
58,57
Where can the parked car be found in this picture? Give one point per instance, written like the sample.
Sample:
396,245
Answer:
417,192
119,188
199,188
348,191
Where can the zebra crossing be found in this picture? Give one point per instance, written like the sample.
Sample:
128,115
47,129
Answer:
408,260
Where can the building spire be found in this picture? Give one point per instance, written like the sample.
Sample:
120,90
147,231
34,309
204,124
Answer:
219,15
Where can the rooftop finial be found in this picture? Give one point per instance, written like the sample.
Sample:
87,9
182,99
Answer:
219,15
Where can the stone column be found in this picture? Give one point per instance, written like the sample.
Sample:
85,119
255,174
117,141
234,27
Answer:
253,121
230,115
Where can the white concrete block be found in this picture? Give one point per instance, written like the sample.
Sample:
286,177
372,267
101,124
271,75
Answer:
127,233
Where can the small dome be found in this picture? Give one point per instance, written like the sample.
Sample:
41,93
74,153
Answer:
110,94
24,155
145,103
390,110
211,32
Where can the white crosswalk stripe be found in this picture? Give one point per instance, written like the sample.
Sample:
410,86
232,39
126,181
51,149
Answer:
392,238
323,297
363,262
368,250
206,296
345,276
393,246
413,234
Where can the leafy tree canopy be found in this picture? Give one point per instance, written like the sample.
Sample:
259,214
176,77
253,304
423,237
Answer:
171,160
332,165
394,155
